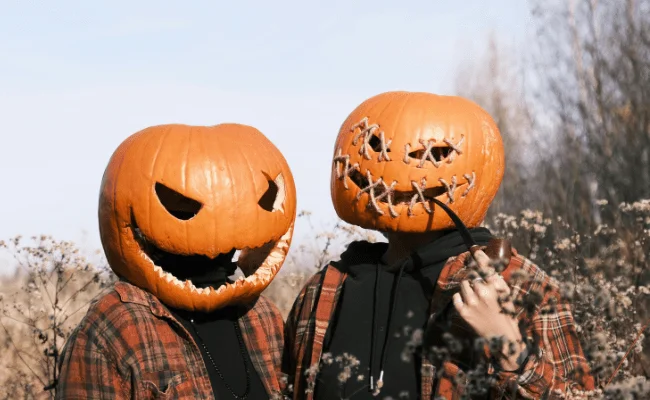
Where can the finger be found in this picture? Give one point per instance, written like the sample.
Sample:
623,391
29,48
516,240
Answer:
481,258
469,298
499,284
484,291
508,307
477,280
458,302
484,263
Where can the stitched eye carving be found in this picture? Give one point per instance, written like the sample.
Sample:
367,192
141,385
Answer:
375,143
438,153
372,139
433,151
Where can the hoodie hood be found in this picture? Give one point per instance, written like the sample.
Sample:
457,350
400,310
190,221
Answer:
361,257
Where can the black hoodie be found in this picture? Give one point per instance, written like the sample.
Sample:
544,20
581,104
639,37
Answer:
378,299
215,333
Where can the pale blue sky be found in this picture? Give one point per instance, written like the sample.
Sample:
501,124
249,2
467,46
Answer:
76,78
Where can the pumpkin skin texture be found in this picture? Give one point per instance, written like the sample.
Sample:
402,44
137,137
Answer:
397,150
197,191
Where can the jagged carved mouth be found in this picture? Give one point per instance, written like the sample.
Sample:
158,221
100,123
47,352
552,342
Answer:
178,269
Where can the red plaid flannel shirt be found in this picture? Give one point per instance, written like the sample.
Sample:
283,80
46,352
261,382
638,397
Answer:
557,366
129,346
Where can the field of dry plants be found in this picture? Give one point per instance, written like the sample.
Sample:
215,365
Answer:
602,273
573,108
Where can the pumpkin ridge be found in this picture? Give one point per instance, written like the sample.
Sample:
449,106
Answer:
154,168
197,163
251,177
443,136
184,181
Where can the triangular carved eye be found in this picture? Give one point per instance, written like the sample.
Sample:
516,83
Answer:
178,205
273,199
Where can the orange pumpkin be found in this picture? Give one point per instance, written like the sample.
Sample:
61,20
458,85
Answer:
398,150
197,191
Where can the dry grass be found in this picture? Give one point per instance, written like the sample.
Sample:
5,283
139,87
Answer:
603,273
39,306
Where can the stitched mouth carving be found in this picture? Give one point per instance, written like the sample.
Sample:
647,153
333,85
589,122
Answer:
399,196
381,192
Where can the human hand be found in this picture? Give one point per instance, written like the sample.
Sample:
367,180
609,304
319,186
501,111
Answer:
479,304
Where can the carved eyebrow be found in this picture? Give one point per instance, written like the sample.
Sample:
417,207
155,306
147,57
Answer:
177,204
273,198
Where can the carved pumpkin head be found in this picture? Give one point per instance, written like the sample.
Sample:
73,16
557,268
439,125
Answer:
398,150
197,192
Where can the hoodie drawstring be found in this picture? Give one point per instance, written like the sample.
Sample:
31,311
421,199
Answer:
471,245
394,296
374,328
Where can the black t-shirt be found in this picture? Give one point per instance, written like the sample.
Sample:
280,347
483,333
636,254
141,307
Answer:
217,332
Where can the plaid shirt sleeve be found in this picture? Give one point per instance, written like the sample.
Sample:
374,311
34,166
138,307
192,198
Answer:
556,363
263,330
87,372
288,357
296,334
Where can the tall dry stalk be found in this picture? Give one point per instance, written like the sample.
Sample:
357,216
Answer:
53,285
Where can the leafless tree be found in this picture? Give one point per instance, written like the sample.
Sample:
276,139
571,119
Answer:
592,61
495,82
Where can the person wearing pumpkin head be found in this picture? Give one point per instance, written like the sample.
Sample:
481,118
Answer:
176,202
423,169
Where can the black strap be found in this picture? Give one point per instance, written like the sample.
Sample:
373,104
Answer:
464,232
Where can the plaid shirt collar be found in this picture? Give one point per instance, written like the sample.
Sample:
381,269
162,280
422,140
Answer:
129,344
133,294
264,347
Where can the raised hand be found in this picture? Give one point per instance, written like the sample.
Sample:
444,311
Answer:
479,305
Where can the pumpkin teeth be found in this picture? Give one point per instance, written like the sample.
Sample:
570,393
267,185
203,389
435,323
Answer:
169,277
266,271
